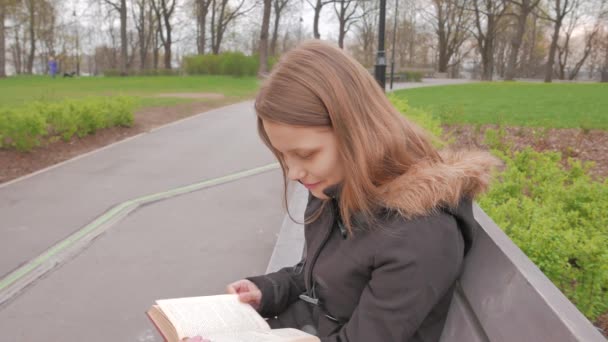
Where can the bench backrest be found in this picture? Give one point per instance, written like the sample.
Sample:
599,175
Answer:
501,295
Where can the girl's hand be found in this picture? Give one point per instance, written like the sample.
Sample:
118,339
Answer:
248,292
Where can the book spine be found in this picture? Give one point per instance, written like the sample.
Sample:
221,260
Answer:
165,338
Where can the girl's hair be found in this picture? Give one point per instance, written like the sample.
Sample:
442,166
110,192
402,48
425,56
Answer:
317,84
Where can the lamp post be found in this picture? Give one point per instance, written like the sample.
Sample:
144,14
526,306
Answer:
380,71
393,50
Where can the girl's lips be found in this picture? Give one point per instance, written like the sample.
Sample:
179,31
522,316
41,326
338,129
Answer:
310,186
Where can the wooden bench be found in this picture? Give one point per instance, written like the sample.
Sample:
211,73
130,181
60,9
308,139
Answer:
501,295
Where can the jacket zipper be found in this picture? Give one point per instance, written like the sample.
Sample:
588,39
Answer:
313,260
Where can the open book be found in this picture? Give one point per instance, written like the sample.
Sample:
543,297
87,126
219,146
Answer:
221,318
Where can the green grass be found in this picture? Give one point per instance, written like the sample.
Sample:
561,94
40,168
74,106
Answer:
16,91
517,104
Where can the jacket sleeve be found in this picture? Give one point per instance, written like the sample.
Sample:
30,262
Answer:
280,288
411,273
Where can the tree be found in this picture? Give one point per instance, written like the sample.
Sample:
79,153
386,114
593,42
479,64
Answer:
121,7
221,16
145,23
488,16
604,16
317,5
263,69
560,8
164,10
524,8
366,34
32,16
3,11
202,9
278,6
451,22
346,11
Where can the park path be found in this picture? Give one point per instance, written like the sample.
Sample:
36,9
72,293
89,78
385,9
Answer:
150,247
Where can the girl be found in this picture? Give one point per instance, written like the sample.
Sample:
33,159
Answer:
389,218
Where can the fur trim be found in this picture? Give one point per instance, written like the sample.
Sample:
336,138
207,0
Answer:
427,186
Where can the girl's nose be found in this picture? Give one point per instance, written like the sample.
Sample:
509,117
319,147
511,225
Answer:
295,173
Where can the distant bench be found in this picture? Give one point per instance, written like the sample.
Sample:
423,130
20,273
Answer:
501,295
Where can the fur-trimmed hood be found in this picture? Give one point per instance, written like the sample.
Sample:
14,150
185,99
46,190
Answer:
462,174
428,186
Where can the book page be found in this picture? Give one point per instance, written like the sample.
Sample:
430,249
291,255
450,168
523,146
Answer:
276,335
208,315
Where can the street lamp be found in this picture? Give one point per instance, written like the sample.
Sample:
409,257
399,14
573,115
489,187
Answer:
393,50
380,71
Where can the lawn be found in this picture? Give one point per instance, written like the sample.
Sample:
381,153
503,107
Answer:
518,104
15,91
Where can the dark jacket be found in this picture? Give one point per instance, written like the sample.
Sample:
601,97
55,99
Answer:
390,283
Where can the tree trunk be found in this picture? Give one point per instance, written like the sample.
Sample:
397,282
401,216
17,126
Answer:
2,41
275,30
318,8
214,48
443,50
17,53
515,45
604,77
487,60
263,69
202,24
32,31
155,52
552,49
123,38
167,44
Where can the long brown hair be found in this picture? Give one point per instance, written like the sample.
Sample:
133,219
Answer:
317,84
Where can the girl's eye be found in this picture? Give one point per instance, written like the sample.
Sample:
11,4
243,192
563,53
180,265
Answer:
306,157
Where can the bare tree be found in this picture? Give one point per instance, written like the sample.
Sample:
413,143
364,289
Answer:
488,17
524,8
560,8
451,23
32,16
278,6
221,16
317,5
3,12
604,73
591,39
121,7
366,34
604,16
164,10
346,11
202,9
144,20
263,69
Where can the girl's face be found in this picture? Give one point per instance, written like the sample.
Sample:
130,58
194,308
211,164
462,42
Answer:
310,154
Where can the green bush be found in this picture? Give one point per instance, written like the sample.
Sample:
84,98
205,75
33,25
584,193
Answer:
557,216
147,72
21,129
24,128
228,63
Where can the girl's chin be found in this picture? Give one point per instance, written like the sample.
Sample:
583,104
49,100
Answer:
318,193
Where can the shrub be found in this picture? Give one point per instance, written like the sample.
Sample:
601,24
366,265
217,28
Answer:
558,218
24,128
228,63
